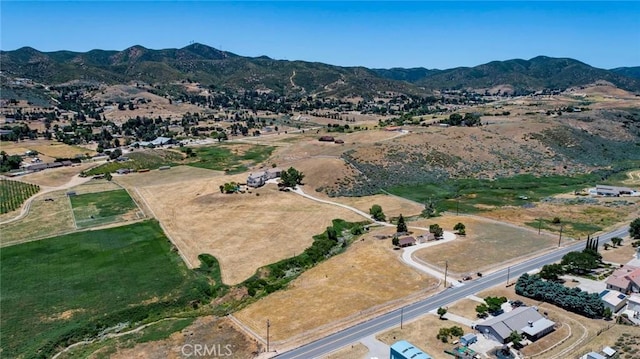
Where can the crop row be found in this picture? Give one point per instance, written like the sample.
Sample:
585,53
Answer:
14,193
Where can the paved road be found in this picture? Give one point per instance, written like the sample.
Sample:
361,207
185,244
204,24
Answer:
383,322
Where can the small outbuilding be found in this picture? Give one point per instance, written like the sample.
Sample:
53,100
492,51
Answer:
405,350
468,339
613,300
326,139
406,241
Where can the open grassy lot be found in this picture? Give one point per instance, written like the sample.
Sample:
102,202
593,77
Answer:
486,244
14,193
76,284
243,231
422,333
92,209
345,287
620,254
140,159
48,148
231,158
175,174
45,219
465,308
166,339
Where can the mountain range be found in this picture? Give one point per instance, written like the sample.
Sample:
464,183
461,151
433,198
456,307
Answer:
222,69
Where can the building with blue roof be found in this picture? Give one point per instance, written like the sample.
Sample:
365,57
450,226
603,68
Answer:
405,350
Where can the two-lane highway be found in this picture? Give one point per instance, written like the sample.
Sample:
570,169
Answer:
355,333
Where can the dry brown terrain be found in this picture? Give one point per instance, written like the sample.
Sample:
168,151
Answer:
45,219
621,254
56,176
50,149
243,231
483,246
464,308
345,286
422,333
174,175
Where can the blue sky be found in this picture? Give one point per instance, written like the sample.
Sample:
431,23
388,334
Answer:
373,34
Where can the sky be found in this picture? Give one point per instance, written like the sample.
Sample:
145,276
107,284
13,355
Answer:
372,34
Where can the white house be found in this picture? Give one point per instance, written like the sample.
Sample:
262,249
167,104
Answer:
260,178
613,300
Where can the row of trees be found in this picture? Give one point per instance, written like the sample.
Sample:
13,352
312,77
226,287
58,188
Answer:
572,262
571,299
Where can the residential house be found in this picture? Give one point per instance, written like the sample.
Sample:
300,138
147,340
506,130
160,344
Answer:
633,303
625,279
405,350
258,179
524,320
406,241
613,300
593,355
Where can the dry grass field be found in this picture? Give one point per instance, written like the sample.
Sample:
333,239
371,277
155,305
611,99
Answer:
486,244
464,308
621,254
177,174
422,333
343,286
48,148
243,231
356,351
45,219
55,177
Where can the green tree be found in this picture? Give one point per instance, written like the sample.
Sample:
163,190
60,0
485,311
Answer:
430,209
436,230
607,313
230,187
443,334
634,229
551,271
108,176
291,177
441,312
515,338
617,241
456,331
376,212
357,229
460,228
402,226
395,241
580,262
221,188
482,310
494,304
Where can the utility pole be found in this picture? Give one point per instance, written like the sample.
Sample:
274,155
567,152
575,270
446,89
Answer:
446,267
560,238
268,325
401,316
508,272
539,224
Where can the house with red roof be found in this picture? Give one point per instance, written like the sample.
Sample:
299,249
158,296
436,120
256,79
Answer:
625,279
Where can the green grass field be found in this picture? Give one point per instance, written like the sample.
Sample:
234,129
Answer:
467,194
60,290
224,158
92,209
149,159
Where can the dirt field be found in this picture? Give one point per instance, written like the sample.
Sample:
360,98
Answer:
45,218
465,308
621,254
51,149
347,285
173,175
235,227
56,176
422,333
486,244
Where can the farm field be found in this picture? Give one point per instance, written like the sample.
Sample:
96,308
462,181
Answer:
14,193
318,296
140,159
45,219
48,148
235,227
486,244
166,340
230,158
422,333
93,209
173,175
113,274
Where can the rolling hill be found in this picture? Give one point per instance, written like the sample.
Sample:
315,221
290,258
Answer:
222,69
